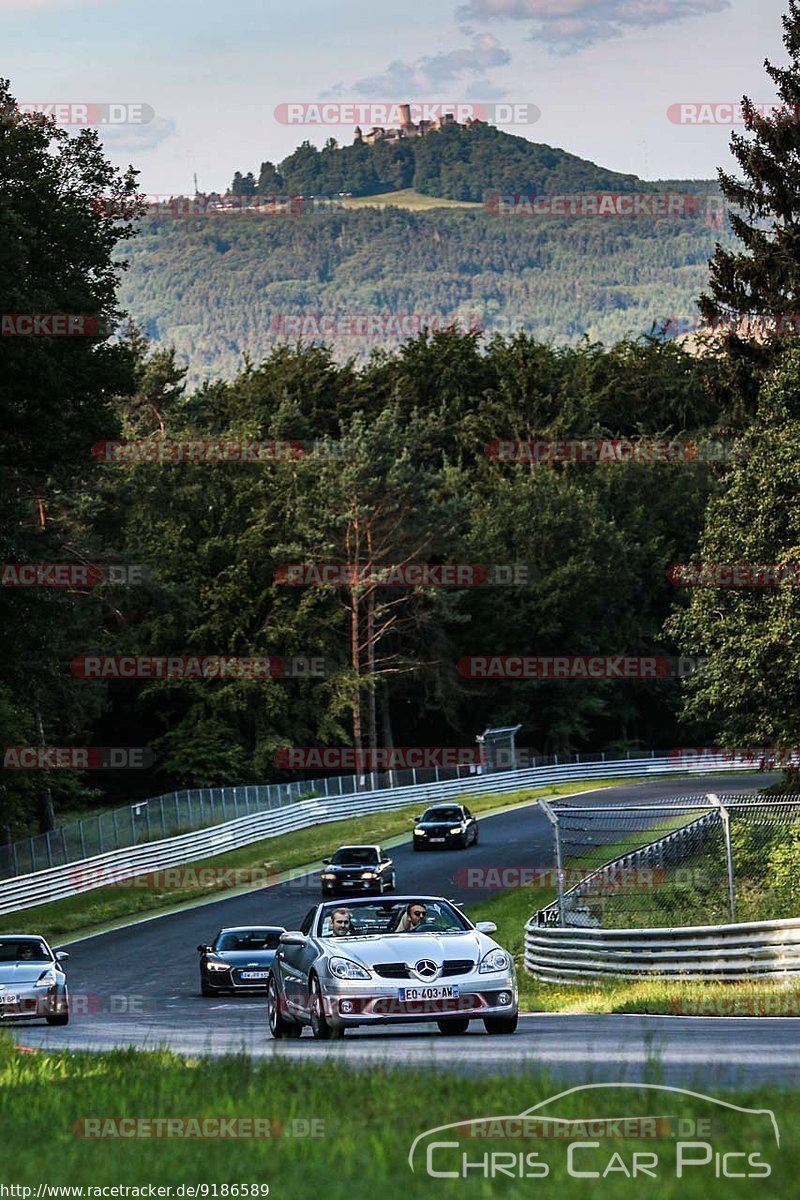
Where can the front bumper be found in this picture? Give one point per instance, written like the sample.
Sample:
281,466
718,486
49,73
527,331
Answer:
227,981
438,840
33,1003
345,887
370,1003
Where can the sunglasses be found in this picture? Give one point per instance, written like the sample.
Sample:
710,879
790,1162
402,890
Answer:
418,912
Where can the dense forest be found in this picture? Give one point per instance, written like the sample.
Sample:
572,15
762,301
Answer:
218,287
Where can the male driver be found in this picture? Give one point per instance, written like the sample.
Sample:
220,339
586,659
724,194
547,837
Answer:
412,918
340,923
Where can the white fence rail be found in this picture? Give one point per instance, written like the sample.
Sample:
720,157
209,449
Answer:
760,950
26,891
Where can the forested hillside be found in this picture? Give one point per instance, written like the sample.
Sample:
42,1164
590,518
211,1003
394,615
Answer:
220,286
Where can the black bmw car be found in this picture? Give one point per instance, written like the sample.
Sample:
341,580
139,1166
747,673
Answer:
357,869
239,959
445,825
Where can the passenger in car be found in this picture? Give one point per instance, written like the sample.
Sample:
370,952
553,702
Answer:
412,917
341,925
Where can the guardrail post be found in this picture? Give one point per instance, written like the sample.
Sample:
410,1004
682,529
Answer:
82,839
726,833
553,819
163,821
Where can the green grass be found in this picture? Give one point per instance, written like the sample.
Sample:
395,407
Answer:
406,198
306,847
366,1122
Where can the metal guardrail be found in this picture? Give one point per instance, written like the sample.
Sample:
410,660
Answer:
578,954
57,883
759,950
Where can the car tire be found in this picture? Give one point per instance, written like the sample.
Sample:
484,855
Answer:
475,839
279,1026
62,1020
393,884
455,1026
501,1024
321,1030
416,847
205,990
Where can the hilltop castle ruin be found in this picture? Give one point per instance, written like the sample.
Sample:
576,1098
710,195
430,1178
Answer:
407,128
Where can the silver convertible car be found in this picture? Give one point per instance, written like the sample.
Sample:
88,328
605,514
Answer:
32,980
390,961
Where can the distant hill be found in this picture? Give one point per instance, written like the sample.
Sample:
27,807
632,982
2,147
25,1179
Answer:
221,286
456,162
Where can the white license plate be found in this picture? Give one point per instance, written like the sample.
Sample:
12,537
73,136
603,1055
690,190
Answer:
9,998
447,991
436,839
254,974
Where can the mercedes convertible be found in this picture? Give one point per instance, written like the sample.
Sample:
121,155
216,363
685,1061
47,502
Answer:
390,961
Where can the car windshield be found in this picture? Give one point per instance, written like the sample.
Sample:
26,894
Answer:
442,814
248,939
357,856
23,950
381,917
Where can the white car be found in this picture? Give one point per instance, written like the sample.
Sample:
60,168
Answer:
390,961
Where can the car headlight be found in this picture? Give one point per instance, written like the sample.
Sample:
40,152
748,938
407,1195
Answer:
495,960
47,979
327,875
368,875
345,968
420,833
456,829
217,966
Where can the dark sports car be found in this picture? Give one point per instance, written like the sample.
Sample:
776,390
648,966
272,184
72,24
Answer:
357,869
32,980
239,959
445,825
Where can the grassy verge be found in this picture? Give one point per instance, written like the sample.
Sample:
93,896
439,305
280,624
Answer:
406,198
365,1123
290,851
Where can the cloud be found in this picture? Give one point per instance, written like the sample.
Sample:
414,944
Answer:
136,139
428,74
570,25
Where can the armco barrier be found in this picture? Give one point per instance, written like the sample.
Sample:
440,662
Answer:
760,950
26,891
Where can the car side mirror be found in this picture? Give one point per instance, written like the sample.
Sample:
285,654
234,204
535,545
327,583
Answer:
62,955
417,819
293,937
203,949
486,927
326,861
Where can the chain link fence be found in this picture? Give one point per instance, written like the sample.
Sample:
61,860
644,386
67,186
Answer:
686,861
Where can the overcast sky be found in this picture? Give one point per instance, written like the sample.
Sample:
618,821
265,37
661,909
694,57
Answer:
603,73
